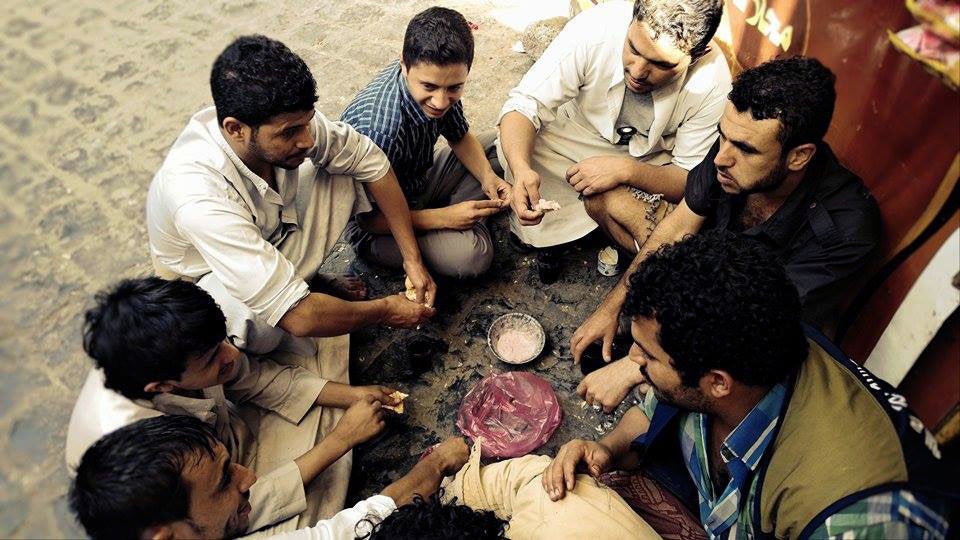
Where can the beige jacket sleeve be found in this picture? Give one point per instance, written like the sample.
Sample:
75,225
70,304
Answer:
512,489
340,149
276,496
289,391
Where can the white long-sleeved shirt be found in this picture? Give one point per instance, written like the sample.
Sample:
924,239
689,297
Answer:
583,66
207,212
347,523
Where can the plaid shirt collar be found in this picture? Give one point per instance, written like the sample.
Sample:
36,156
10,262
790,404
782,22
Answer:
408,105
741,451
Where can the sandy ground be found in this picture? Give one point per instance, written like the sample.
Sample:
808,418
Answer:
91,96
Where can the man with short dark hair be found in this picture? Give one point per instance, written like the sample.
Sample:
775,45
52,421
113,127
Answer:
452,191
758,429
256,191
162,348
770,177
169,477
625,99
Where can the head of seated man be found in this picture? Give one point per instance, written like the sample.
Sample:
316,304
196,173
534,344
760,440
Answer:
776,115
152,335
436,59
710,344
432,519
161,478
664,38
264,95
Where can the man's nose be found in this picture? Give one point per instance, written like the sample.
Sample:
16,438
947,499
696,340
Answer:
640,69
305,140
440,100
246,478
724,157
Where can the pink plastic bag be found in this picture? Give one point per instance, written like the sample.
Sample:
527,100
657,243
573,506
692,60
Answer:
513,412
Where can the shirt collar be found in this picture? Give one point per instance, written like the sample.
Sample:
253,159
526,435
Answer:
259,183
407,103
782,226
748,441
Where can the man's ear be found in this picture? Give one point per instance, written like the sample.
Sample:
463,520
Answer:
718,383
800,156
158,532
235,129
403,67
158,387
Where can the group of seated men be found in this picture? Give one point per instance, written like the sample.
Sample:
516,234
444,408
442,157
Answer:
220,403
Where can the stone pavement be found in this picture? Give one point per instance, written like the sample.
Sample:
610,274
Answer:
91,96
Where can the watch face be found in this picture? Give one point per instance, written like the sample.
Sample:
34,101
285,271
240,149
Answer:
625,133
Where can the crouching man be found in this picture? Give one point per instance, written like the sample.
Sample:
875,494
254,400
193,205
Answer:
761,426
161,348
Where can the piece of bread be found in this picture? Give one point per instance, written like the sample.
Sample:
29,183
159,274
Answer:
411,292
397,408
546,206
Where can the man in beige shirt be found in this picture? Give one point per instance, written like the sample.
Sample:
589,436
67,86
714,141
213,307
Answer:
256,191
161,348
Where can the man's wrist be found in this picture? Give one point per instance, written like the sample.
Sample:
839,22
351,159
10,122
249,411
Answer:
338,442
428,220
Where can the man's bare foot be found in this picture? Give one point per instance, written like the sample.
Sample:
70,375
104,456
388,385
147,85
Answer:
343,286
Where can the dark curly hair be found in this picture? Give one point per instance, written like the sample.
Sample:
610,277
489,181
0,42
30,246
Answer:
797,91
691,24
722,301
439,36
256,78
145,330
131,479
430,519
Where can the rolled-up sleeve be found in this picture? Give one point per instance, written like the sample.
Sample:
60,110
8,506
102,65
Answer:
553,80
277,496
289,391
340,149
697,133
250,268
346,524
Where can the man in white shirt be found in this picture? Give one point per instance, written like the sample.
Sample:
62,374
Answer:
162,348
625,100
169,477
238,207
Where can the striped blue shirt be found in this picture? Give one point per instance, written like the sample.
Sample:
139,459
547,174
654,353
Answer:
386,112
726,515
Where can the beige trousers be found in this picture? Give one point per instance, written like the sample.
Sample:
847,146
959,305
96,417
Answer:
566,141
513,490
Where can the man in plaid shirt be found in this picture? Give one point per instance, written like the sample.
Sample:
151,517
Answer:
758,426
452,191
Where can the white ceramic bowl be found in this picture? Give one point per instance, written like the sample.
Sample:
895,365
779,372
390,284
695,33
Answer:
515,321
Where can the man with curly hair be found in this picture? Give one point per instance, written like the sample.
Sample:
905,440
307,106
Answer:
625,100
758,425
770,177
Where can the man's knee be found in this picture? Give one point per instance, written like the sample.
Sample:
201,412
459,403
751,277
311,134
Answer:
460,254
595,205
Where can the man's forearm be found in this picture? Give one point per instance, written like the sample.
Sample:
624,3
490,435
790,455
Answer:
322,315
517,134
633,424
423,479
422,220
321,456
670,180
469,151
393,206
